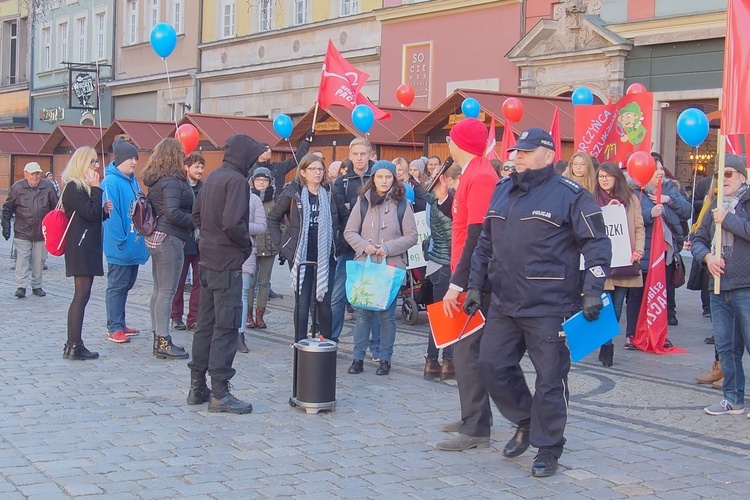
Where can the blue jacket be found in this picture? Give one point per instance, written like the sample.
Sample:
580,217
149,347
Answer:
123,246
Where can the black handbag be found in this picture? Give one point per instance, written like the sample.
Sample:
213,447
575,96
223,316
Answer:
695,278
631,271
678,276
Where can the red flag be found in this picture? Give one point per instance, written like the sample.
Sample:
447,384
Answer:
489,151
730,144
735,107
555,133
509,140
341,83
651,330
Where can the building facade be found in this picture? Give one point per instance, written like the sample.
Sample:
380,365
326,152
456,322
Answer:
14,65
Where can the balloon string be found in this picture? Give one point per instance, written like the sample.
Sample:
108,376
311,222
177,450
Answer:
294,155
99,108
414,142
171,99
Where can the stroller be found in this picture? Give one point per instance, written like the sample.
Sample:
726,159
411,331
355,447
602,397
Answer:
415,294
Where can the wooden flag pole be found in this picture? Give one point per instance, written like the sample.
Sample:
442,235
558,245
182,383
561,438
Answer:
315,116
721,144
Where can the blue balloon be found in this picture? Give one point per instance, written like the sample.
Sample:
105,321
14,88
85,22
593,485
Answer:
692,127
163,39
410,193
283,126
363,118
470,107
582,95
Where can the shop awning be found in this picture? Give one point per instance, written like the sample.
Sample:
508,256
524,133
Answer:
21,141
538,111
145,135
72,137
216,129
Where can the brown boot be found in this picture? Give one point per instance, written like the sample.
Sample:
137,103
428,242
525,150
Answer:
719,384
449,371
250,321
432,368
259,312
712,376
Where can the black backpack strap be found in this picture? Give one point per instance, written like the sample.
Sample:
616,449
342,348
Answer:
400,211
363,206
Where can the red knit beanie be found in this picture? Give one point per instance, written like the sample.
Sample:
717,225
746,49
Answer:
470,135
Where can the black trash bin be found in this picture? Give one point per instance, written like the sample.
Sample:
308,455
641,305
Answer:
314,384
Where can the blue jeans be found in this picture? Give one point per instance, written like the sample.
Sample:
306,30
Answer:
247,280
730,317
338,303
120,280
166,264
387,331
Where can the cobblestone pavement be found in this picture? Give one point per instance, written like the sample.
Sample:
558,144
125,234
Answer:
119,426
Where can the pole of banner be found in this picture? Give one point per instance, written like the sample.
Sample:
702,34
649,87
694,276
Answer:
315,116
719,202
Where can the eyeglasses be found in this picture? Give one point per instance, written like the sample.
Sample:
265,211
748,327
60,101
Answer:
261,179
728,174
508,169
447,139
94,162
606,177
315,169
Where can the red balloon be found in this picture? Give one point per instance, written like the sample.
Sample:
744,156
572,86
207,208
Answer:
636,88
188,137
405,94
513,109
641,167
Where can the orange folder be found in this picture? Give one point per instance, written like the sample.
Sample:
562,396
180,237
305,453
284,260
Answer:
446,330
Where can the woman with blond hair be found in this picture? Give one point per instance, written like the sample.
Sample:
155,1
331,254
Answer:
581,169
82,201
171,199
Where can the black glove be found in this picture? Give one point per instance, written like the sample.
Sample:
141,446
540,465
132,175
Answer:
310,136
473,301
282,260
6,232
592,306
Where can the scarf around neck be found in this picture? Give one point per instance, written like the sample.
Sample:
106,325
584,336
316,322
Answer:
325,242
727,238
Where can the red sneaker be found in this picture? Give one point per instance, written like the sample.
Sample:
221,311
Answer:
130,332
118,336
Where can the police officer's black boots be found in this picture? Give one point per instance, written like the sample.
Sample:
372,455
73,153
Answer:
165,349
222,401
607,354
199,391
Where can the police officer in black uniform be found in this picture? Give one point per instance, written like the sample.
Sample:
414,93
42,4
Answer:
537,226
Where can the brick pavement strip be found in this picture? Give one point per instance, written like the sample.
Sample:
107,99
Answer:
119,427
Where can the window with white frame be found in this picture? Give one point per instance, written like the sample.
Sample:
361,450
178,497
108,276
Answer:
62,43
153,13
178,15
265,15
349,7
46,49
300,11
100,35
80,41
228,12
131,22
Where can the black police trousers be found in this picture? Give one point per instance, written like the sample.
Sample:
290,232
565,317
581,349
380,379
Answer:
504,343
219,319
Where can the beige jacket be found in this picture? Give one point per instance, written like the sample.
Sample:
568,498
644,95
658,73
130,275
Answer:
637,233
381,227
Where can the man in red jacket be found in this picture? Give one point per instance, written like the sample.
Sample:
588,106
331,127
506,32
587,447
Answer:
468,139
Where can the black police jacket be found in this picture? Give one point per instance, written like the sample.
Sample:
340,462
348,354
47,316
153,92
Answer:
538,225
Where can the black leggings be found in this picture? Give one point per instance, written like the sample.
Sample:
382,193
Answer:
78,307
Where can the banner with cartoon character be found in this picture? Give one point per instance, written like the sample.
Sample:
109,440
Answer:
614,131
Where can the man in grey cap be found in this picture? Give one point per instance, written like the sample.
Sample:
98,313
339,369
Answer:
29,200
537,226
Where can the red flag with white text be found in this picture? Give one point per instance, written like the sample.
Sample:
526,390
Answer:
651,329
735,107
489,151
341,83
509,140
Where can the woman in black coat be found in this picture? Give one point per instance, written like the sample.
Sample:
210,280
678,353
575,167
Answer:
82,201
171,199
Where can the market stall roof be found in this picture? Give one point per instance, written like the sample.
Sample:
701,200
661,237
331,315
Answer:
216,129
21,141
72,136
537,112
144,134
383,132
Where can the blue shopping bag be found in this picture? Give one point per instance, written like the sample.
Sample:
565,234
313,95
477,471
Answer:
372,286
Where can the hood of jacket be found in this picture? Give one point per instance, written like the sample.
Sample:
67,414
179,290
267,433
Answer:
241,152
112,169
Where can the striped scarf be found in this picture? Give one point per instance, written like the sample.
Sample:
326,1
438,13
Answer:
325,241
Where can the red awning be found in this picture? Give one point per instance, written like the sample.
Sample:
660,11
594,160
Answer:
216,129
145,135
21,141
75,136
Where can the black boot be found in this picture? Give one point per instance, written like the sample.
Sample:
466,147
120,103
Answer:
199,391
519,443
241,345
606,354
222,401
165,349
78,351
